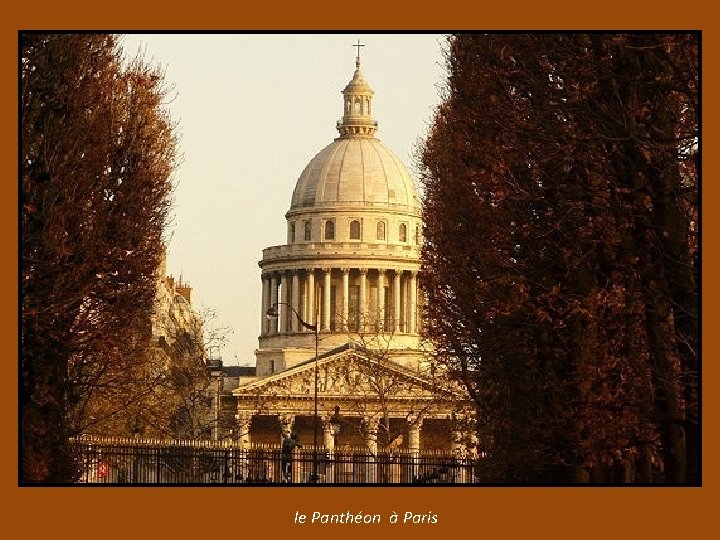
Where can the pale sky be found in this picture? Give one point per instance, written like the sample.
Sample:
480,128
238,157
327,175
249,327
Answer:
252,110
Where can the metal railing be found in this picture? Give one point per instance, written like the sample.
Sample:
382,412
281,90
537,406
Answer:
150,461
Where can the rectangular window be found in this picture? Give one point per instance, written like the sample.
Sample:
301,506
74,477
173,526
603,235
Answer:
292,232
308,231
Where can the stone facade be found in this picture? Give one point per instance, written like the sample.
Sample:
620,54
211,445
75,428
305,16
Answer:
340,359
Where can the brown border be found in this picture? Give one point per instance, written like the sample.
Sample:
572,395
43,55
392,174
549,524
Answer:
595,512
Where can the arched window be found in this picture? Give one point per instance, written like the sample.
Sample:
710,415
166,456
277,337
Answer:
402,233
357,106
355,230
381,230
329,230
308,231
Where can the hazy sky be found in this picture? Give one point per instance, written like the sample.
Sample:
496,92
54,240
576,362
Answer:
252,110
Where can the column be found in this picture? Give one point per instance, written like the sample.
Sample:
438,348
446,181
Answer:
412,319
362,315
370,426
329,433
396,302
265,305
295,302
414,427
381,299
244,419
346,297
326,300
310,297
272,327
243,428
284,301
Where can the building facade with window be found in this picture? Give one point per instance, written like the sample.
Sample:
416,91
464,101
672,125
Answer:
349,268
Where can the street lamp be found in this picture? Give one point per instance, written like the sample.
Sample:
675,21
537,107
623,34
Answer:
272,313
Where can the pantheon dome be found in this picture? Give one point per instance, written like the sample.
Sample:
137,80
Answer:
352,254
356,169
339,337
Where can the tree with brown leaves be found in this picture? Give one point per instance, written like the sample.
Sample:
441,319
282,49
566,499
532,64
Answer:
561,251
97,153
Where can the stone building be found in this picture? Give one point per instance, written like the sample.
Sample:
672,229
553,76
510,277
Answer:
178,352
347,277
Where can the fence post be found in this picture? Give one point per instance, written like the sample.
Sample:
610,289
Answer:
157,466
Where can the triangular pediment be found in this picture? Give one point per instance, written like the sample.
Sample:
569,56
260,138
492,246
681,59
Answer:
351,373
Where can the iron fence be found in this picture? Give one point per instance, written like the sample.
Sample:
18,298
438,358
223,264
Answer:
131,461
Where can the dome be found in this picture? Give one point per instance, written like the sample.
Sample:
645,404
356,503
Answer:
351,260
355,172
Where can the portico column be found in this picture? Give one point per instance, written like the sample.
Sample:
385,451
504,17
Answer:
381,299
272,329
363,300
244,419
264,304
284,300
295,293
326,300
243,428
396,302
346,297
414,441
329,431
413,304
370,426
310,297
414,427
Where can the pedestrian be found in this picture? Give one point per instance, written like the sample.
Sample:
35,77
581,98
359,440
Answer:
289,444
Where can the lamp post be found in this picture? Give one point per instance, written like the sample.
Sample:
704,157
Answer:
271,313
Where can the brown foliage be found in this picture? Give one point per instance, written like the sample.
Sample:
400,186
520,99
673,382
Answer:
562,290
96,158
